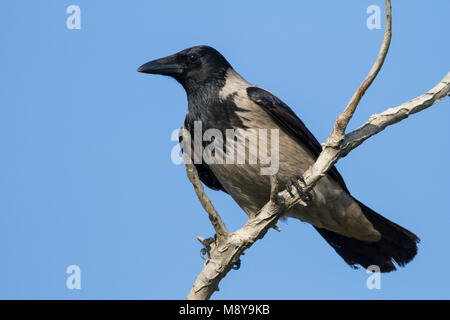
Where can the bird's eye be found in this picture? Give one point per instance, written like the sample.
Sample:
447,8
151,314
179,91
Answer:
193,58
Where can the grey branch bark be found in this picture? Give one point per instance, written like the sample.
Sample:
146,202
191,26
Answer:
214,217
226,248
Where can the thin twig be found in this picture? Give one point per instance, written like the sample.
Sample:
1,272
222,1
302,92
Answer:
214,217
378,122
337,135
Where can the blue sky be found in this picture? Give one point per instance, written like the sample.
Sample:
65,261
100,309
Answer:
85,171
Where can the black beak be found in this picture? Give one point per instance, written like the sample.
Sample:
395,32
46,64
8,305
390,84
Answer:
161,66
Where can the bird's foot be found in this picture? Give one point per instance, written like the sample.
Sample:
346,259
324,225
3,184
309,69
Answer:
206,250
294,181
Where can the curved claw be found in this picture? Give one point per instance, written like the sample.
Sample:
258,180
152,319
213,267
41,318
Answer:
237,265
289,188
204,254
293,181
306,197
297,185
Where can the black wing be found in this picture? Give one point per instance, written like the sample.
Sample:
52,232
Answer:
208,178
291,124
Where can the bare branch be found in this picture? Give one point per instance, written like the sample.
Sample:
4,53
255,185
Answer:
214,217
378,122
228,253
337,135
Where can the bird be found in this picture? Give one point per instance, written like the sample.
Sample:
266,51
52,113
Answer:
220,98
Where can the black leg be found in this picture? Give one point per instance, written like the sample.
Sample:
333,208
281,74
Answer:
293,181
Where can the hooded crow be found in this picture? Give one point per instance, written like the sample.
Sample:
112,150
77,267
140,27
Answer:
219,98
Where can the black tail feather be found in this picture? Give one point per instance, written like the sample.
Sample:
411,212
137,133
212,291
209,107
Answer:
396,244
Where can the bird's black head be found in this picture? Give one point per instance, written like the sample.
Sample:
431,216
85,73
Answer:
193,67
